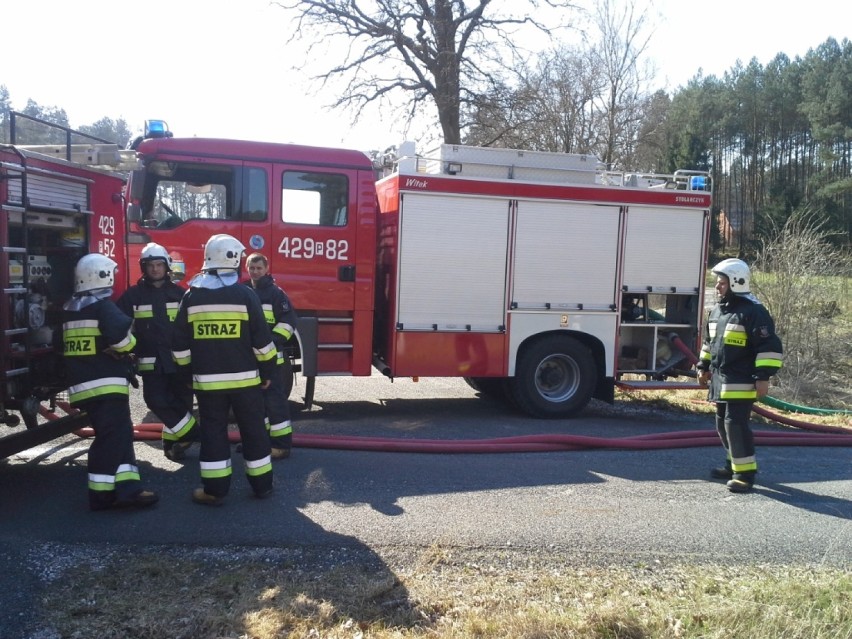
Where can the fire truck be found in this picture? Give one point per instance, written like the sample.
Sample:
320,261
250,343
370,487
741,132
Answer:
538,277
55,206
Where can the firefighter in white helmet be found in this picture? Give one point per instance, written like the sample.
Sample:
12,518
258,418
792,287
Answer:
153,304
223,341
97,339
740,353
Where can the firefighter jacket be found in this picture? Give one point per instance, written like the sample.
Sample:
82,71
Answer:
90,326
221,336
277,310
740,346
153,310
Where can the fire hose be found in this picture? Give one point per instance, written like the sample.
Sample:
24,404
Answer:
808,410
829,436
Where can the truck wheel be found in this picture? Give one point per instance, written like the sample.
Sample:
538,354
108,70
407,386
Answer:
554,377
29,411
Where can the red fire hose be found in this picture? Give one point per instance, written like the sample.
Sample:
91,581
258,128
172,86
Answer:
526,443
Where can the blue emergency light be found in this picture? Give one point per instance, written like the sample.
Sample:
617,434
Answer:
157,129
698,183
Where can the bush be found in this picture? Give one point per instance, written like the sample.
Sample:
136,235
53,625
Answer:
804,282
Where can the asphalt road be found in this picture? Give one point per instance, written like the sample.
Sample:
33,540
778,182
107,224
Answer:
609,505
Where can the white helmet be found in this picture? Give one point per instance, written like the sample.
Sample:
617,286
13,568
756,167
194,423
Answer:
222,251
737,272
94,271
152,252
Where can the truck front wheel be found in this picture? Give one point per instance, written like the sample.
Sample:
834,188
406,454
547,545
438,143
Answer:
554,377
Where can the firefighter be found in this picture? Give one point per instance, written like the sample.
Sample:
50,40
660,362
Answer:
282,320
222,339
740,353
153,303
97,340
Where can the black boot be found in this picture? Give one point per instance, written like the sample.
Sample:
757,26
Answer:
723,472
741,482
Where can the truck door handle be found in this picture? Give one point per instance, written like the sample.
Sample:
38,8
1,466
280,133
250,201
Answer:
346,273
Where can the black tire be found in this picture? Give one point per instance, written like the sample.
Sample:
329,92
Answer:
555,377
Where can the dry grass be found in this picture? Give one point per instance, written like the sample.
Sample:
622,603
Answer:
694,401
445,594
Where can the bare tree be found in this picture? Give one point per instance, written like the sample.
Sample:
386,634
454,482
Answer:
622,40
592,98
652,142
551,108
442,52
802,278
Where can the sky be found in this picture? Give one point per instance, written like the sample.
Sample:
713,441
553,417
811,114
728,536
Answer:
222,68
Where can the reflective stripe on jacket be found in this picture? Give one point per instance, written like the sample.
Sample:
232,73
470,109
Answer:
222,337
87,333
153,310
740,347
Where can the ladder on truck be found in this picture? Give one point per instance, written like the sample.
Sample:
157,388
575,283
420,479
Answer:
14,276
95,152
492,163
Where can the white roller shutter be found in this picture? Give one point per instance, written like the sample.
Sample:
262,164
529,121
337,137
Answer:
452,262
664,249
565,255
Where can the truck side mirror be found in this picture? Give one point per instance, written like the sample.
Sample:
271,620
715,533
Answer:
134,212
134,195
137,185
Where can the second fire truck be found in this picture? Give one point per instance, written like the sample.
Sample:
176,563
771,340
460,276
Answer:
536,276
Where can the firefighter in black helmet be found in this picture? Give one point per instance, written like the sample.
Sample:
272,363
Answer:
740,353
153,303
222,339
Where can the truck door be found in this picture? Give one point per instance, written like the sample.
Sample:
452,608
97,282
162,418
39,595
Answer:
318,257
315,237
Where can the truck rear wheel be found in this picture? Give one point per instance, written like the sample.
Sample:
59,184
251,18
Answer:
554,377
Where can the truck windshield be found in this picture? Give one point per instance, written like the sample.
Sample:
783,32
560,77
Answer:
188,192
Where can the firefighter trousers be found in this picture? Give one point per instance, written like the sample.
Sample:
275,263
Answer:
215,455
171,402
112,461
732,424
278,409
